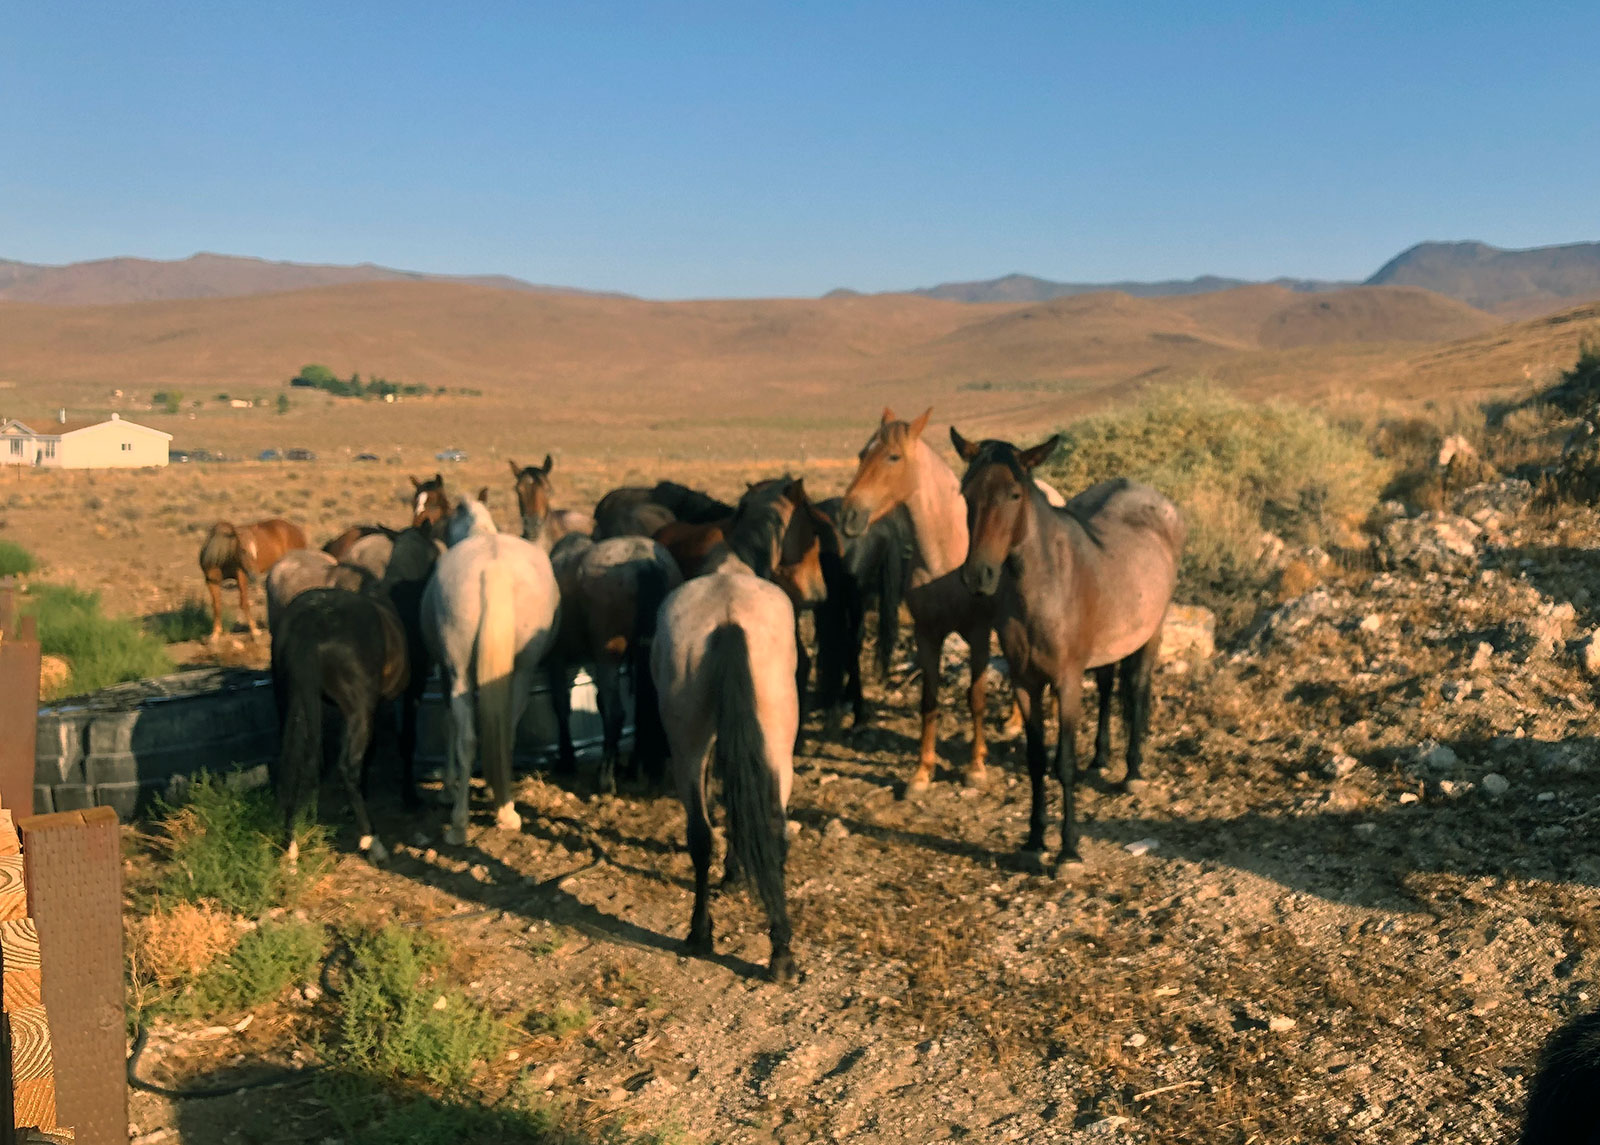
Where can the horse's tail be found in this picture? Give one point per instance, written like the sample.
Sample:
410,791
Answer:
300,758
222,548
891,589
649,737
749,789
496,653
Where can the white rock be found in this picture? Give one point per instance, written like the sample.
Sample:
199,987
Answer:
1371,622
1279,1024
1135,1040
1495,784
1436,755
1342,765
1589,654
1142,846
836,830
1545,797
1190,633
1408,797
1481,656
793,827
1364,828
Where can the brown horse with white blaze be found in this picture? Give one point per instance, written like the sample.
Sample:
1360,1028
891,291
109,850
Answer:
542,524
430,507
899,468
1085,586
240,553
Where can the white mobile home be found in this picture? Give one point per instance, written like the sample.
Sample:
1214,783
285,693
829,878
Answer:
62,444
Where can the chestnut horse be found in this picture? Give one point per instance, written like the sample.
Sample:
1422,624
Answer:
430,507
541,524
339,548
240,552
899,468
1085,586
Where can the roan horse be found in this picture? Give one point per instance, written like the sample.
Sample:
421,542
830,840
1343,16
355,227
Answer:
349,648
488,618
724,665
303,569
541,524
239,552
1082,587
899,468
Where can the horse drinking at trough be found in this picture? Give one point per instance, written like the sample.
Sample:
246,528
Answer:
724,665
488,618
240,552
349,648
611,591
541,524
1085,586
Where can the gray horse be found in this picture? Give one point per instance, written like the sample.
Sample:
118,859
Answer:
488,618
302,569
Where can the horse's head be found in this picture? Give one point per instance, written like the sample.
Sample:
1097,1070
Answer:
534,493
430,506
886,476
999,489
470,519
781,536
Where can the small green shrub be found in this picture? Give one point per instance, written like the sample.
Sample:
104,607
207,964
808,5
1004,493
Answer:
1236,469
266,961
562,1019
398,1021
222,846
102,650
189,621
15,560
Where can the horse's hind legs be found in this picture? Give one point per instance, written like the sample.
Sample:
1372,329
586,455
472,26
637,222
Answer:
215,587
977,705
699,940
928,649
1137,671
357,732
560,683
1069,703
1105,679
244,606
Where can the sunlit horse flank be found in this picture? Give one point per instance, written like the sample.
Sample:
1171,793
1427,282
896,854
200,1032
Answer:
542,524
1082,587
240,553
488,619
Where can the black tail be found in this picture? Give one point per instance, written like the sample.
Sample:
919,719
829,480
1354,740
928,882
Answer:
838,624
891,589
749,790
300,762
649,737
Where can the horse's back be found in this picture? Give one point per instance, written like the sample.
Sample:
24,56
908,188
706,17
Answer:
629,511
372,552
1128,506
453,601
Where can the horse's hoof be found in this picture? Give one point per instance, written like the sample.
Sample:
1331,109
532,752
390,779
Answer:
377,854
1066,863
507,819
697,946
975,777
455,836
782,970
918,785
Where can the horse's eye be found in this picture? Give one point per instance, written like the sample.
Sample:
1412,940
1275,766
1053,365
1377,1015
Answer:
894,457
1016,494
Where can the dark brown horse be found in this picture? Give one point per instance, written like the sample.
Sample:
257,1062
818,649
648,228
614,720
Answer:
542,524
634,510
692,545
869,568
899,468
430,508
241,553
1085,586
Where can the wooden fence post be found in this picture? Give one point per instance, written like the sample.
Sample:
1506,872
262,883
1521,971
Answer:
19,702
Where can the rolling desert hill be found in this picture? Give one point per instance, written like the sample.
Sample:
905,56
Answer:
118,280
1514,283
624,377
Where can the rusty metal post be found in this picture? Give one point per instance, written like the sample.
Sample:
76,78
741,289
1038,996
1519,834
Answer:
19,703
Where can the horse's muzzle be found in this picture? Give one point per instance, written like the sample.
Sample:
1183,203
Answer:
852,520
981,577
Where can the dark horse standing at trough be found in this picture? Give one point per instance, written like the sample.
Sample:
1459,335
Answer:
1082,587
350,648
240,552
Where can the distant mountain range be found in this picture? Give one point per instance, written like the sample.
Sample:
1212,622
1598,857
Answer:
118,280
1511,283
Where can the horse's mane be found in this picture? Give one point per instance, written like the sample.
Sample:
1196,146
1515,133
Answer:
690,505
757,528
1081,509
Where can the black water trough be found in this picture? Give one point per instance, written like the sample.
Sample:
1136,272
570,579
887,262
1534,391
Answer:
123,746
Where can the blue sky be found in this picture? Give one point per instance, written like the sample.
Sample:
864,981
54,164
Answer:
727,149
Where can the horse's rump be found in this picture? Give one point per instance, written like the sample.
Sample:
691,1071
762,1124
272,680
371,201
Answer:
222,551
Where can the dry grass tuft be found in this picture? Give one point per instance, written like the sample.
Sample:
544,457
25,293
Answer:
175,946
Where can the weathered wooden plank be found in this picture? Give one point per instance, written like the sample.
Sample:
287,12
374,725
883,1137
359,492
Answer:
13,888
54,1136
10,842
19,955
33,1083
19,702
74,880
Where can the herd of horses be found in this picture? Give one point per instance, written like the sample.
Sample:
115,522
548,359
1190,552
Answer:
693,603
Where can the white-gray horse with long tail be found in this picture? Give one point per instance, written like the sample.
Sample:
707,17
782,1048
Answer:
488,617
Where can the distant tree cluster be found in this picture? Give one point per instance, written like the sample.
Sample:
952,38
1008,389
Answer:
170,400
316,377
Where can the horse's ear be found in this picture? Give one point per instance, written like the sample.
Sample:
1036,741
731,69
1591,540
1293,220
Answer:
548,462
1031,459
797,491
483,495
415,484
966,449
438,479
888,416
516,470
920,424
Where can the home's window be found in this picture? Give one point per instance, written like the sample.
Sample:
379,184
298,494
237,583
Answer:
49,449
126,446
16,445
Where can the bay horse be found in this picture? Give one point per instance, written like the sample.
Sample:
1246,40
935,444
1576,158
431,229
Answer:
541,524
340,546
349,648
240,552
405,579
897,468
1082,587
488,618
636,510
304,569
724,666
611,591
430,507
